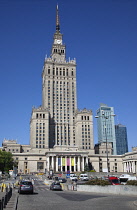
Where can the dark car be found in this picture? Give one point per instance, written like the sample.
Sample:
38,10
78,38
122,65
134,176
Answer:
26,187
56,178
55,186
62,180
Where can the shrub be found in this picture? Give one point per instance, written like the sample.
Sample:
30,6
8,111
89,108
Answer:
132,182
98,182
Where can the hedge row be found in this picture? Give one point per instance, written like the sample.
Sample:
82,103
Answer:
132,182
98,182
106,182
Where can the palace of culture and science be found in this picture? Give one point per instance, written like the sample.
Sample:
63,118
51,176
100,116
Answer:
61,135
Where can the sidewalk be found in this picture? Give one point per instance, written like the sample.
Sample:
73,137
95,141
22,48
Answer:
12,203
135,203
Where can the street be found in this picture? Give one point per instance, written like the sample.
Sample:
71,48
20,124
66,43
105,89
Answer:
43,198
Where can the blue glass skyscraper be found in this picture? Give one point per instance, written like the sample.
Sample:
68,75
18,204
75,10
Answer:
106,126
121,139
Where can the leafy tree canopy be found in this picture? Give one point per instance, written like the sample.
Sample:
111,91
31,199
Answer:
6,161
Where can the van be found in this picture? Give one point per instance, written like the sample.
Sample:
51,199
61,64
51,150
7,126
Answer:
84,177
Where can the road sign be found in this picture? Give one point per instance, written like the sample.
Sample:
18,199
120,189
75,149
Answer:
67,175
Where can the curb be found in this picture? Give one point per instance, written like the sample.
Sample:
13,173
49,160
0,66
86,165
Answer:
13,202
135,203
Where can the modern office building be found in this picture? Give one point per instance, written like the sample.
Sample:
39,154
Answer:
121,139
106,126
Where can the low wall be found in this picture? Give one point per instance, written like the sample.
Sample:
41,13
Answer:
111,189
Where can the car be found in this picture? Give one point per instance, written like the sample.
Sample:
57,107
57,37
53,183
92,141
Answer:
84,177
62,180
55,186
73,177
114,180
25,186
126,177
56,178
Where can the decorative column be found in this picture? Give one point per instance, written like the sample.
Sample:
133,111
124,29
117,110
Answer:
82,163
87,161
78,163
56,163
129,166
65,163
133,166
74,164
52,162
125,167
61,163
70,164
47,163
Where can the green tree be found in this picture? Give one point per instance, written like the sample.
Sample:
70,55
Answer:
6,161
86,168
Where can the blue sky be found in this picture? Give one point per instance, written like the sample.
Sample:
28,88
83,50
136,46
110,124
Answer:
100,34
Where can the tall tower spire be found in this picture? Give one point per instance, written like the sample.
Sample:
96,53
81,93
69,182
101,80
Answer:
57,20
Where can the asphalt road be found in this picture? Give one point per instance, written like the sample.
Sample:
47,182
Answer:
43,198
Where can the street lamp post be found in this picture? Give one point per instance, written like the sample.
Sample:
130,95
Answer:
106,117
106,143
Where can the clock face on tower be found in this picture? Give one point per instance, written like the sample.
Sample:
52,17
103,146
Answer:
58,41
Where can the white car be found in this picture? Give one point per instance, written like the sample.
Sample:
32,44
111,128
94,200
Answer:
73,177
126,177
84,177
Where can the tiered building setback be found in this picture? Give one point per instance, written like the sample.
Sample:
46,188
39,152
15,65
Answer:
58,125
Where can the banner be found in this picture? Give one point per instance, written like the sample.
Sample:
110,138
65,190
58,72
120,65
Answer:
72,161
68,161
59,161
63,162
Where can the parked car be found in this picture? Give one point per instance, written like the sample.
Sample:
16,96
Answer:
25,186
73,177
84,177
125,177
114,180
56,178
55,186
62,180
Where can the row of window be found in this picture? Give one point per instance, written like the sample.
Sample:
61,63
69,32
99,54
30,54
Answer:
84,117
43,134
13,150
85,125
40,146
86,133
59,51
60,72
40,140
85,143
108,159
40,124
27,158
40,116
40,131
85,147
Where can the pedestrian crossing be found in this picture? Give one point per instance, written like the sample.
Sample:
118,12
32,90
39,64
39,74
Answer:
39,186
